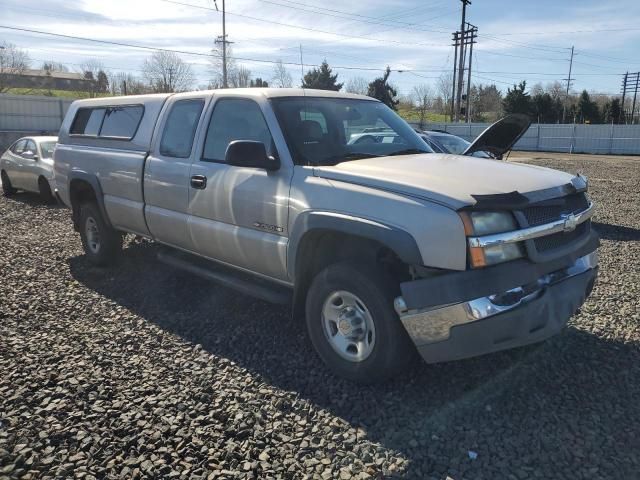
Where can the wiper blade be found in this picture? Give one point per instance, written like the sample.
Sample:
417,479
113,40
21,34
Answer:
407,151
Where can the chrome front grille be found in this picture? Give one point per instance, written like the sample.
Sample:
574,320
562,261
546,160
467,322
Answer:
553,210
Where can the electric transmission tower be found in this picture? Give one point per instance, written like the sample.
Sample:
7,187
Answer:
630,84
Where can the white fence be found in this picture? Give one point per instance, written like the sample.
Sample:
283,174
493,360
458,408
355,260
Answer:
31,113
603,139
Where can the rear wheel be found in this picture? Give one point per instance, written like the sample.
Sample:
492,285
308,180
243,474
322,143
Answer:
45,190
352,323
7,188
102,244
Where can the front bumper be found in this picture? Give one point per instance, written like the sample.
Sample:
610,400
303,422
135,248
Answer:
519,316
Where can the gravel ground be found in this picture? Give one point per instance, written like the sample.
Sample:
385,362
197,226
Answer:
142,372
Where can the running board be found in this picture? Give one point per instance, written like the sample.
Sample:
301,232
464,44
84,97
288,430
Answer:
227,277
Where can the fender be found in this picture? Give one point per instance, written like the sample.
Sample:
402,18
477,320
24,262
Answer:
92,180
399,241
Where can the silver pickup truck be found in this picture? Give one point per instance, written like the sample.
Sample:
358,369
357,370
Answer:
383,246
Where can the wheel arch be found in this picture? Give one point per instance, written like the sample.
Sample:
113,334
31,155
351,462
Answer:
85,187
320,238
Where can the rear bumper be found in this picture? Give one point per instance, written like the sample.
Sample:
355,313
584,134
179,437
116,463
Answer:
519,316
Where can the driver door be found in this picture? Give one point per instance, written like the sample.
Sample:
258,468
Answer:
238,215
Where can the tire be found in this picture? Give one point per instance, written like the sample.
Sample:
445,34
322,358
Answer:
102,244
45,190
7,188
362,296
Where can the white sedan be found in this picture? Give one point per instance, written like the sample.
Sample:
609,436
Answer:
28,165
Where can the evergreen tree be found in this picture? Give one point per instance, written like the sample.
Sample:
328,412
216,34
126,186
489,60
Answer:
384,92
258,82
587,109
517,100
321,78
546,109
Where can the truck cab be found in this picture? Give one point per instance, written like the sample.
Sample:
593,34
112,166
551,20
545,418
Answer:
386,248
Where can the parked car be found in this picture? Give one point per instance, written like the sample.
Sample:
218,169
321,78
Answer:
496,140
28,165
385,247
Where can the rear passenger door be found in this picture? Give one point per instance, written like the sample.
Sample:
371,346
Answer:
166,179
239,215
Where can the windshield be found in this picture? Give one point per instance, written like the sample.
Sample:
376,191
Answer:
451,143
327,131
47,149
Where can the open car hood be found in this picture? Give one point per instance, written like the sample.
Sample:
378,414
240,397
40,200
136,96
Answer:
500,137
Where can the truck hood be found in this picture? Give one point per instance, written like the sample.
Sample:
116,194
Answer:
449,180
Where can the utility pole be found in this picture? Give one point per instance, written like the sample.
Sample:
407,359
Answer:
624,94
566,97
223,40
473,31
630,83
635,94
301,67
461,57
455,69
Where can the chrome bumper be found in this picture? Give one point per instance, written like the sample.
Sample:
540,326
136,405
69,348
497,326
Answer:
434,324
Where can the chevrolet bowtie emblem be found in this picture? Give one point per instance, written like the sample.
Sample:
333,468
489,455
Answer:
570,223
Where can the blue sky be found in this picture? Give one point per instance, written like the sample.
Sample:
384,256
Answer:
517,39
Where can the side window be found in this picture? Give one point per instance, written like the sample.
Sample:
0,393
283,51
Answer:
18,147
31,147
180,128
234,119
87,121
121,122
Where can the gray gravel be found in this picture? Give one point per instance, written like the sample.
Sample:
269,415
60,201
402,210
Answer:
142,372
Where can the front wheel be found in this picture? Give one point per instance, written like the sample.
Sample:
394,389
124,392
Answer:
353,326
101,243
7,188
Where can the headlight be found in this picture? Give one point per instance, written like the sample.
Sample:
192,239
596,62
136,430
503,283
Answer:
486,223
477,224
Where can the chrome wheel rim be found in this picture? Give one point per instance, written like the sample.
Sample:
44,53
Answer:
348,326
93,235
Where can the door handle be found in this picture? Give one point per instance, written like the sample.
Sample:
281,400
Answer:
199,182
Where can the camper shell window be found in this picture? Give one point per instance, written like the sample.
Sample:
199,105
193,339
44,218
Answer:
119,122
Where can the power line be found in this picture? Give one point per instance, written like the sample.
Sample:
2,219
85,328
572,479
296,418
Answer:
274,22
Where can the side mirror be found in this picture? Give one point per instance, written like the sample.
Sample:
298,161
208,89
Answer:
248,153
29,155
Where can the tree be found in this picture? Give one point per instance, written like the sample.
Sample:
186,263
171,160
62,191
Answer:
93,71
124,83
258,82
357,85
422,97
384,92
517,100
54,67
240,77
444,89
13,60
321,78
281,77
588,109
166,72
546,109
217,67
613,111
485,103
